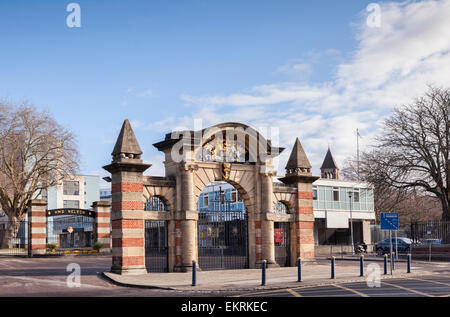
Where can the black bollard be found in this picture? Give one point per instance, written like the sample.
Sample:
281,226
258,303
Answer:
385,264
361,265
263,278
299,270
409,264
333,259
194,273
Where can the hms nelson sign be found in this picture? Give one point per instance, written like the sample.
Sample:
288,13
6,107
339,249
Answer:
70,212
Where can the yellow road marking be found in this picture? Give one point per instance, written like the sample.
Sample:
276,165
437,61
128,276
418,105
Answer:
423,280
406,289
261,292
350,290
293,292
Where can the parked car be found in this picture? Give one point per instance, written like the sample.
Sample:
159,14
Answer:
431,241
403,246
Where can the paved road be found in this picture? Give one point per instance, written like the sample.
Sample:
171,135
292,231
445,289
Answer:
426,286
48,277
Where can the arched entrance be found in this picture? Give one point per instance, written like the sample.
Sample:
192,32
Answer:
282,235
156,238
219,237
222,228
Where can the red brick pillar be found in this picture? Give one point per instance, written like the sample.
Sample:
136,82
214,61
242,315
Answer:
127,214
304,224
103,224
37,219
128,232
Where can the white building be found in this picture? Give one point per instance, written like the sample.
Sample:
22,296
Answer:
78,192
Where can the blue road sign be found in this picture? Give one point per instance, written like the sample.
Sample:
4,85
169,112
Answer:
389,221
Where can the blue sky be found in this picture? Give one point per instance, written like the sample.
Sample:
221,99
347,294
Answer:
314,69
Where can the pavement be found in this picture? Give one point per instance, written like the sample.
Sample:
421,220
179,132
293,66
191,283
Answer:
313,274
50,277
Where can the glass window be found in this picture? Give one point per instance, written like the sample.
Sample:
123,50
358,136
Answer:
71,204
71,188
335,194
315,193
281,208
205,200
356,195
155,203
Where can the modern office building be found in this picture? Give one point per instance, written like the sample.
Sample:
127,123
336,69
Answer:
78,191
75,192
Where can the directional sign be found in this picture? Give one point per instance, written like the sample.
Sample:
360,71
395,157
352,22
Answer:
389,221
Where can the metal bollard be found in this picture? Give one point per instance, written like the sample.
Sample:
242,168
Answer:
385,264
194,273
393,260
299,270
333,259
361,265
409,264
263,278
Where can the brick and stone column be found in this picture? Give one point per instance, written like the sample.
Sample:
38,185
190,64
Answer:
267,226
187,221
103,224
37,219
305,221
127,215
128,232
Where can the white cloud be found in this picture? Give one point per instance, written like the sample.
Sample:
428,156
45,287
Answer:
391,65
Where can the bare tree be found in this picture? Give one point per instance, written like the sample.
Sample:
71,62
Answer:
386,197
412,204
413,150
35,153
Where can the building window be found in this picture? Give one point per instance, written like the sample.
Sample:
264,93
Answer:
281,208
356,195
71,188
335,194
233,197
71,204
155,203
315,193
205,201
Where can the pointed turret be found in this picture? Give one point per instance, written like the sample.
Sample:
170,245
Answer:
329,167
298,167
127,152
126,145
298,161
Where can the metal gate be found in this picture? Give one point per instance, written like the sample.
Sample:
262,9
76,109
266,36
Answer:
222,239
156,250
282,243
16,244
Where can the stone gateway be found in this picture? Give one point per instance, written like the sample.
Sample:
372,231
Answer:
157,218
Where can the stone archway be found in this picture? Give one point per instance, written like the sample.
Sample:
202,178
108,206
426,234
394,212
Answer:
230,152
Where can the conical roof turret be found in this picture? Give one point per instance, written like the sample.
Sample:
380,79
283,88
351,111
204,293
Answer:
127,145
298,158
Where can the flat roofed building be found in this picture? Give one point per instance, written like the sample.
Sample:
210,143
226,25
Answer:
335,203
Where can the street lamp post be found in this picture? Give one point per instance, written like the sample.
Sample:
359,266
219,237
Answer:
350,194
